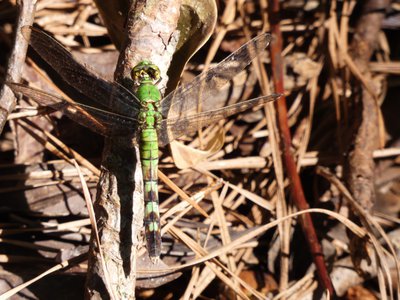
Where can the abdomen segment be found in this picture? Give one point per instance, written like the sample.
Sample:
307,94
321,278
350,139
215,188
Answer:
149,160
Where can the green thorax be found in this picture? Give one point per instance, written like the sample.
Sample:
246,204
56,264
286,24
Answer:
145,75
148,93
149,96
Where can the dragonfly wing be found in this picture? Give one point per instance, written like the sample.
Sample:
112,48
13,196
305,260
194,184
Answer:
113,96
95,119
172,129
185,100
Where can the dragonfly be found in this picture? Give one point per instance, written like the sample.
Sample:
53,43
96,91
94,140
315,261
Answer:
153,121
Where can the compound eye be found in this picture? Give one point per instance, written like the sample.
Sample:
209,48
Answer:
155,74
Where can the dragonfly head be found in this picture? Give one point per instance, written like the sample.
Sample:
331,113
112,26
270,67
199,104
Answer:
145,71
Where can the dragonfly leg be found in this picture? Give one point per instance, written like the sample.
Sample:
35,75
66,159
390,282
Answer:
157,119
142,118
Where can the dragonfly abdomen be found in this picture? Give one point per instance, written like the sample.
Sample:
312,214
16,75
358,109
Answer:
149,160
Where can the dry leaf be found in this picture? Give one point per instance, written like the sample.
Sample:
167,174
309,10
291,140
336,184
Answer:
186,156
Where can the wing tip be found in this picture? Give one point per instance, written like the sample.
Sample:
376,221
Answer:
264,38
273,97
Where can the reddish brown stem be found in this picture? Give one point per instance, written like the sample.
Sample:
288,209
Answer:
296,188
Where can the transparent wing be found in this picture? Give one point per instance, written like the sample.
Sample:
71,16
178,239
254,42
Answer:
205,87
97,120
110,95
172,129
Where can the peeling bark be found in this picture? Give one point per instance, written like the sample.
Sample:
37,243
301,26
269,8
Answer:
360,177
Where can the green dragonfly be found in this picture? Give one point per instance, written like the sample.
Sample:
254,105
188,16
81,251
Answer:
152,120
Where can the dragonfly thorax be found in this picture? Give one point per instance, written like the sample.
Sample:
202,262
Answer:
148,93
149,96
144,74
150,119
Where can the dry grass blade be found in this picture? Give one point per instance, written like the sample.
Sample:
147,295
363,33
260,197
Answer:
184,207
181,193
95,231
191,285
254,162
296,288
252,197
